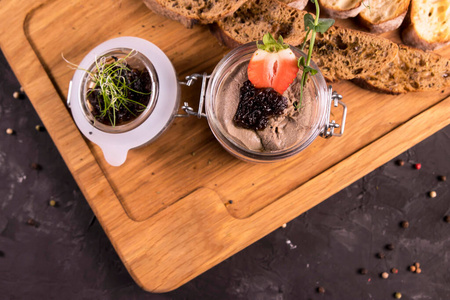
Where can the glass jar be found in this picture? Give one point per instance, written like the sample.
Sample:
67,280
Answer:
116,141
232,68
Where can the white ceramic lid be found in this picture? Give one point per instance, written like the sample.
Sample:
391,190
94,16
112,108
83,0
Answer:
115,146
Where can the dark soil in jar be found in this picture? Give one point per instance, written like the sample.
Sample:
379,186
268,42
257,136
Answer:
137,95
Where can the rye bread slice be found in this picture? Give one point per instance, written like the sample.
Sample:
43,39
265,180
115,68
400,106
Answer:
384,15
413,70
429,24
257,17
190,12
343,53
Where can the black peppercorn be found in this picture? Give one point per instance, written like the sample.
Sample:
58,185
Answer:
447,219
381,255
321,290
390,247
363,271
442,178
400,162
404,224
36,166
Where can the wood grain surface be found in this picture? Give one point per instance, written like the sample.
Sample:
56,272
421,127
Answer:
166,209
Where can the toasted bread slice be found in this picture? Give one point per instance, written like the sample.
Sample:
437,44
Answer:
257,17
343,53
342,9
190,12
384,15
298,4
429,24
413,70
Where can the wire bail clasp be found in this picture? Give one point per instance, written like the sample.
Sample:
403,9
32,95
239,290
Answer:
188,109
330,126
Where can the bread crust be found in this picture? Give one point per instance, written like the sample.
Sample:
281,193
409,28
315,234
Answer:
157,8
222,36
412,38
386,26
298,4
338,13
190,21
411,35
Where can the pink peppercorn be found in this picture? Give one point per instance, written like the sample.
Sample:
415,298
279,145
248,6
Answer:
417,166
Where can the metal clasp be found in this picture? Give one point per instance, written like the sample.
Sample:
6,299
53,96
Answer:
188,109
328,131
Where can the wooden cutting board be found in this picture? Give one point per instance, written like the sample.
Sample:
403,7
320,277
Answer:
167,210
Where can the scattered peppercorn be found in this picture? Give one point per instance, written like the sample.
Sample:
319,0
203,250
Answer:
394,271
418,270
417,166
397,295
31,222
284,225
230,201
36,166
193,153
16,95
417,265
39,128
9,131
412,268
432,194
447,219
363,271
381,255
321,290
52,203
400,162
21,89
2,254
390,247
442,178
404,224
385,275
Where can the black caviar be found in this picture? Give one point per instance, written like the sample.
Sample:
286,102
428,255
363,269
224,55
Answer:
139,83
256,106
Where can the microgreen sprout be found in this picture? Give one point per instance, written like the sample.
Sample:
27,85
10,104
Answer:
312,26
109,80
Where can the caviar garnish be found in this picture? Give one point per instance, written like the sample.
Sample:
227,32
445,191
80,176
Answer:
256,106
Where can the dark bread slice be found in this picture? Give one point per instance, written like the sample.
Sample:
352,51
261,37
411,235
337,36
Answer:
190,12
413,70
343,53
257,17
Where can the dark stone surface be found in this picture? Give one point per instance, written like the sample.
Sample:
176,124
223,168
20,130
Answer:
64,253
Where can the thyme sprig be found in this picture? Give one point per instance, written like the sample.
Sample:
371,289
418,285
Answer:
312,26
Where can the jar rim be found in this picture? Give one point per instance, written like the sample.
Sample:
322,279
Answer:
136,58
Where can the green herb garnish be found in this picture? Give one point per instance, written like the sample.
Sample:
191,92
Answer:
312,26
109,80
